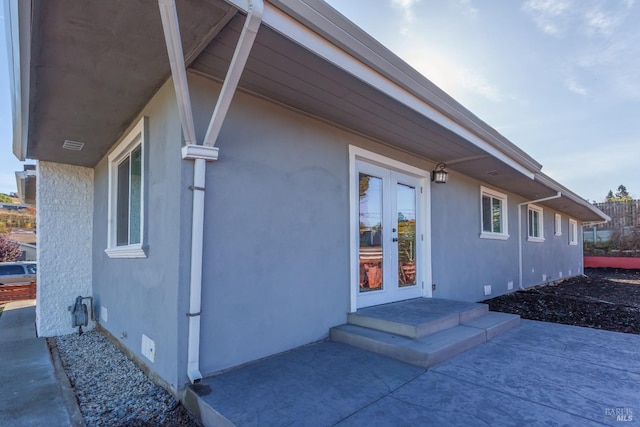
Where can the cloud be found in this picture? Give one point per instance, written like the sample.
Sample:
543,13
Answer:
408,12
561,17
466,8
451,77
574,87
548,14
602,22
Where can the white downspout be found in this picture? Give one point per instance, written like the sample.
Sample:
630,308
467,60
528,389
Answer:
202,153
520,232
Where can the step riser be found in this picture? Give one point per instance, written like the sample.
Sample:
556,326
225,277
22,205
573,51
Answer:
378,347
494,331
430,349
420,330
404,330
468,315
407,355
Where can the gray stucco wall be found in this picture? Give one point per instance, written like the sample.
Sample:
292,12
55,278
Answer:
463,263
276,251
276,268
146,296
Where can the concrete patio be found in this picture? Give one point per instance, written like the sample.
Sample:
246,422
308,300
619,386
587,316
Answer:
536,374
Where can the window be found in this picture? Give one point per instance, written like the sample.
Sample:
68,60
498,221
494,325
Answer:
493,213
558,225
126,196
535,225
573,232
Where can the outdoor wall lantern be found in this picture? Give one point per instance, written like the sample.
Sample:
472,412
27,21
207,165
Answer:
439,176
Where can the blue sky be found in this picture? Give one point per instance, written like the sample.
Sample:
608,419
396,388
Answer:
559,78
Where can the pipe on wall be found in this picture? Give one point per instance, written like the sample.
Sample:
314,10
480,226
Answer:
520,205
202,153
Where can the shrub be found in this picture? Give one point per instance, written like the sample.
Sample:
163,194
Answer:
9,250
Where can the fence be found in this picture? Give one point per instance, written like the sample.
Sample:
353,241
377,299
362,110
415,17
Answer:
17,292
623,214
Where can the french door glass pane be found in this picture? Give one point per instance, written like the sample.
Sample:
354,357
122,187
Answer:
406,205
370,221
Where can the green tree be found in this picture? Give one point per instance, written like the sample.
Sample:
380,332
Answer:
622,195
5,199
610,197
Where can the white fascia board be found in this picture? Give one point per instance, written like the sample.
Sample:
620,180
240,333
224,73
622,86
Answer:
551,183
18,38
304,36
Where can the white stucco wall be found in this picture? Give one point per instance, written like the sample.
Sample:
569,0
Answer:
64,201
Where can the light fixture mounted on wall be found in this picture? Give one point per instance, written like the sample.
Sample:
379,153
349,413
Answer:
439,175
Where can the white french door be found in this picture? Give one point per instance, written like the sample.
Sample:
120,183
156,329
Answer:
390,232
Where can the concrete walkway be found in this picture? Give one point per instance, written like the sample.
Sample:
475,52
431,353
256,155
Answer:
536,374
29,392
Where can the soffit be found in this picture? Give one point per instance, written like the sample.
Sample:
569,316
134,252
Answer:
282,70
95,64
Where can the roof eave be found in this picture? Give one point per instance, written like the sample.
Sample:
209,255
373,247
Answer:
549,182
18,38
331,25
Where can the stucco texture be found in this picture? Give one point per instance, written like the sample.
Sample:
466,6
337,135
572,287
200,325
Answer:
147,295
65,220
276,261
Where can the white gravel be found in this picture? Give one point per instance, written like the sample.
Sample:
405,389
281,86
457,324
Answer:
111,390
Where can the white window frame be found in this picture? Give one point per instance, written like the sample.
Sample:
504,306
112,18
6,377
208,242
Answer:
558,225
134,139
573,232
537,209
484,191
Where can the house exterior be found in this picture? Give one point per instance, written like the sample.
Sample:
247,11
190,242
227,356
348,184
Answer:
27,242
231,183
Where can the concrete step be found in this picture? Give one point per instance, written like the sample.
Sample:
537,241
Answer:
494,323
424,351
417,317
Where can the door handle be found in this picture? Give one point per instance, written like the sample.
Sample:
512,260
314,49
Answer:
395,239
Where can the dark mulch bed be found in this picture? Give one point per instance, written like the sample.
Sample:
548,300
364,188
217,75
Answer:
604,299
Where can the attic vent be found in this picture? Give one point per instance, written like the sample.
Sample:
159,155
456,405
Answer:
494,173
73,145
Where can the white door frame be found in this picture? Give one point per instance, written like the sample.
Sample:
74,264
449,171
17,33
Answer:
355,154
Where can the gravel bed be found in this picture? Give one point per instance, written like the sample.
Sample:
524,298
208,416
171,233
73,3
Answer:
111,390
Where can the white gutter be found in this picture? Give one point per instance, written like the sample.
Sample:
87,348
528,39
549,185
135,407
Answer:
18,41
202,153
520,231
